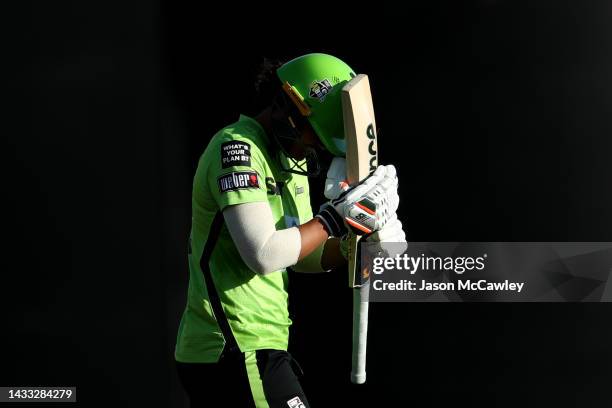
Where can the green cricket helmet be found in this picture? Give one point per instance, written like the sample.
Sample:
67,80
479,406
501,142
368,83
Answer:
313,82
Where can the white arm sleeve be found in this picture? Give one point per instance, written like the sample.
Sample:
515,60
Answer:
262,248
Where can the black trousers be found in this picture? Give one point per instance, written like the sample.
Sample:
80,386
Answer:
230,382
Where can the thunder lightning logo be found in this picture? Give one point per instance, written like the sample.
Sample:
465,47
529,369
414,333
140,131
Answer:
320,89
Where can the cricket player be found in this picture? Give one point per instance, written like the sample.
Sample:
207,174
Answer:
252,220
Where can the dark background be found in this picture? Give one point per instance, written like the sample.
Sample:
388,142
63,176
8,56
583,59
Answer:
496,114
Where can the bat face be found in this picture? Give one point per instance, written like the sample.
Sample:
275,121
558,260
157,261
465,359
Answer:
359,129
361,151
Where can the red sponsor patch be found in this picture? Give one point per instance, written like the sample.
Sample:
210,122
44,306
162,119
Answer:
237,180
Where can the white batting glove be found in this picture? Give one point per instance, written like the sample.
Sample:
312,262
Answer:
390,240
336,182
364,208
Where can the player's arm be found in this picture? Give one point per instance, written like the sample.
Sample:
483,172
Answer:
324,258
264,248
241,195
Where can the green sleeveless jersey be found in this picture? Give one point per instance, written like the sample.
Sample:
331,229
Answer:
237,167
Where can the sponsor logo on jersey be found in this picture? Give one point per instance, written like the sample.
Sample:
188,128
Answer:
235,153
320,89
296,402
299,190
237,180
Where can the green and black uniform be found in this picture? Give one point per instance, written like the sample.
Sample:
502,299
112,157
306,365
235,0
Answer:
232,311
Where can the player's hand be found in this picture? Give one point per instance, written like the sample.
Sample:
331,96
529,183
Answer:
336,182
390,240
366,207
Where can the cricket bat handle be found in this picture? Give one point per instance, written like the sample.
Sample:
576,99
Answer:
360,333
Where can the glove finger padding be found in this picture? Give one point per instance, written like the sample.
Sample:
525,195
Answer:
390,241
379,176
361,189
385,198
365,208
392,232
377,206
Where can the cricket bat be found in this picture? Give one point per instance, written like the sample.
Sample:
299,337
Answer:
361,161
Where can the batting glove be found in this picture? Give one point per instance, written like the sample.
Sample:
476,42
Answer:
389,240
336,182
366,207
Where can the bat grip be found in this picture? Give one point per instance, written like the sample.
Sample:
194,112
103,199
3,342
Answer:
360,333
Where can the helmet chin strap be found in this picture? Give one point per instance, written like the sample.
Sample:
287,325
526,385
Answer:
285,135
